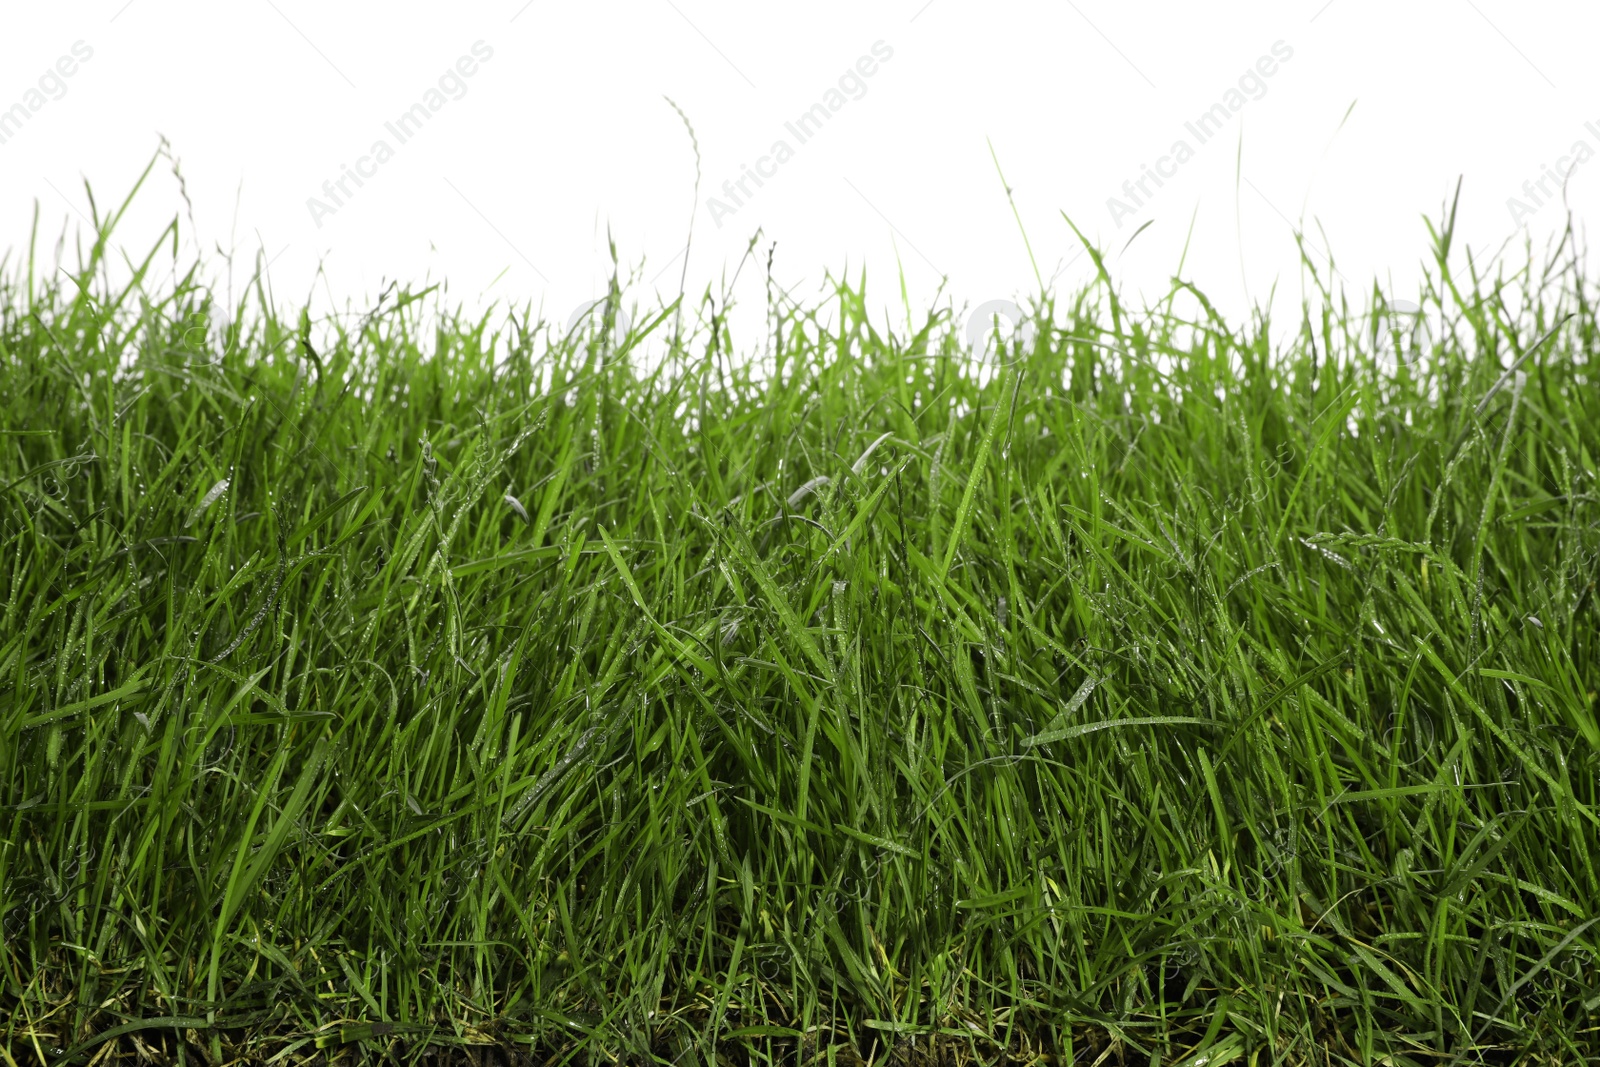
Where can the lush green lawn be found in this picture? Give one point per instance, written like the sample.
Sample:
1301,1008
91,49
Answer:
1169,694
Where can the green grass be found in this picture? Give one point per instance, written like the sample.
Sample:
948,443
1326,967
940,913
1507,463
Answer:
1163,695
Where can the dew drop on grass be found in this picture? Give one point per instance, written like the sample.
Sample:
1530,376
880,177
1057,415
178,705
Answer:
206,501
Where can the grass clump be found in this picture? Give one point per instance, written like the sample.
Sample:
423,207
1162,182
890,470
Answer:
385,689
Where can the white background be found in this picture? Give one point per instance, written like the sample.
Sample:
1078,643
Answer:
565,137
